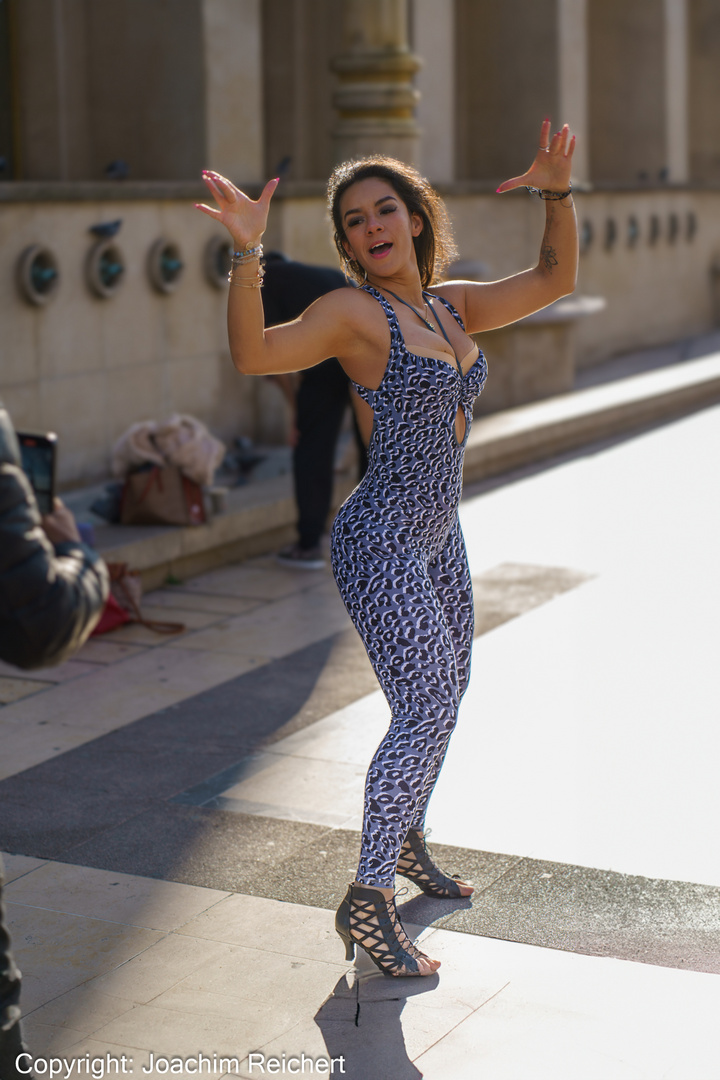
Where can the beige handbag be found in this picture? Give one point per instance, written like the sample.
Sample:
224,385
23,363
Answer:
161,495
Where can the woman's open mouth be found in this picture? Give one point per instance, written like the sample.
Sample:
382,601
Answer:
377,251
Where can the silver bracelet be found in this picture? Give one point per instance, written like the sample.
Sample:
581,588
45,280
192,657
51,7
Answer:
247,283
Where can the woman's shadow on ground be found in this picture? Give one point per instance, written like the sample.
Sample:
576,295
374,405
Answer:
361,1021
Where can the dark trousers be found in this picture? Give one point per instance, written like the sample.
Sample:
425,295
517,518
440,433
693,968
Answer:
10,1038
323,397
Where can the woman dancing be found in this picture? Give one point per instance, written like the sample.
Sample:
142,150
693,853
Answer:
397,550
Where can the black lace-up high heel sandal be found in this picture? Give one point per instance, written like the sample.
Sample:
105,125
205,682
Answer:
405,941
367,919
415,863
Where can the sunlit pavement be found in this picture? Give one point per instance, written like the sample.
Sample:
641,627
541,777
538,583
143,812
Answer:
182,814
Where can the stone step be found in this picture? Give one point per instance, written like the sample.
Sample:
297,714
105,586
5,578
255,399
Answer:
544,429
261,516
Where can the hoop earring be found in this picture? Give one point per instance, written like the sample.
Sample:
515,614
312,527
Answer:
350,270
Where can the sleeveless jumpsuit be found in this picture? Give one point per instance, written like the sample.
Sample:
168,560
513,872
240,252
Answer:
399,560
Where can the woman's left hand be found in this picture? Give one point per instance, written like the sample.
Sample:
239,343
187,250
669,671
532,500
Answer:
550,170
60,525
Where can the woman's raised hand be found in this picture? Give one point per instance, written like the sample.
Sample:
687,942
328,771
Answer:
550,170
244,218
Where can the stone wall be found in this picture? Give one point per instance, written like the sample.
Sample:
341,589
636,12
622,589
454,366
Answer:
650,254
91,89
659,286
88,367
704,78
626,75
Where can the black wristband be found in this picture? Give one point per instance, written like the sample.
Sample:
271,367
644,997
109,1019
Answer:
549,196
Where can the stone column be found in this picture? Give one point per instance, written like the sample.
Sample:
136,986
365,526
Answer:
233,88
375,99
676,91
434,40
573,80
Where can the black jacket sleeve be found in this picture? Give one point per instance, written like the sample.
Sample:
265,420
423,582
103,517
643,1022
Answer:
50,597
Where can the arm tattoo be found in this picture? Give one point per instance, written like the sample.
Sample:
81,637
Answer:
548,254
549,257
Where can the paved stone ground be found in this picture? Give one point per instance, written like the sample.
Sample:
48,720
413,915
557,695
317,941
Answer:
182,814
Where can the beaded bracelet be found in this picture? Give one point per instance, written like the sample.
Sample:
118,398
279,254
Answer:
549,196
239,257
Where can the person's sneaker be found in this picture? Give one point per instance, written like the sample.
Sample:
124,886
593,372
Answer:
301,558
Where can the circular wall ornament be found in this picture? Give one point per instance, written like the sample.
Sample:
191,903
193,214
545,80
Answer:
690,226
217,260
105,268
586,236
165,266
633,231
38,275
610,234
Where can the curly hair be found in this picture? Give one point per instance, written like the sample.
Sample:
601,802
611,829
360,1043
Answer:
434,245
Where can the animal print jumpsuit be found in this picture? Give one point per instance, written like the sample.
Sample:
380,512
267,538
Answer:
400,563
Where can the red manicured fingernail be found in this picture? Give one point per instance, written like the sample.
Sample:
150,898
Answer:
497,189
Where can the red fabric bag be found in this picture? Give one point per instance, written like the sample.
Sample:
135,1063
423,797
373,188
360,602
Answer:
112,617
123,604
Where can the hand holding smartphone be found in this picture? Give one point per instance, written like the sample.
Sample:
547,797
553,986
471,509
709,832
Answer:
38,453
60,526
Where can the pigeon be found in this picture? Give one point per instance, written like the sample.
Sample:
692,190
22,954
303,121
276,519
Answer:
283,167
117,170
106,229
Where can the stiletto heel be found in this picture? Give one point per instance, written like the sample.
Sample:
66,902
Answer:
365,918
342,926
415,864
349,947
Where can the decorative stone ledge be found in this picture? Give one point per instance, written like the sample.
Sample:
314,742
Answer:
535,357
566,310
261,517
100,191
12,191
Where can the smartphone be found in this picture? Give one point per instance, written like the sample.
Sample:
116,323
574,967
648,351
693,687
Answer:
38,453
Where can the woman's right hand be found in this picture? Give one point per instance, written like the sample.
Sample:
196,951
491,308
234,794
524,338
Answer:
244,218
